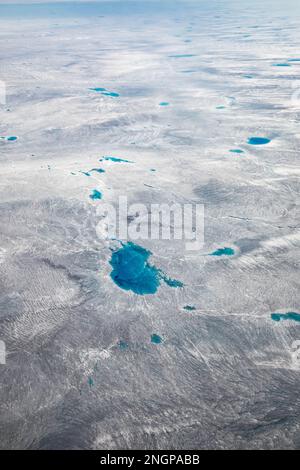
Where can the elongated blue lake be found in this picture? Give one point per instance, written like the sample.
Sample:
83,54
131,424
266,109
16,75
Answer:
258,141
223,252
286,316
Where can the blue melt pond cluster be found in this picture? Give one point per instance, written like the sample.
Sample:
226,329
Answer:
105,92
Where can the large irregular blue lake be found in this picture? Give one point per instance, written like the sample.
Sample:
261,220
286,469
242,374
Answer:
132,271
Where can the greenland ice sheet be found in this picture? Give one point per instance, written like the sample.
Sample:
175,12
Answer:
90,365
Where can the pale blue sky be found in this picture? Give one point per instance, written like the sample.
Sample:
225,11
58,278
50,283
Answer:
62,1
53,1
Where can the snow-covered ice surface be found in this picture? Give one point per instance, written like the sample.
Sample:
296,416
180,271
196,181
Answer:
179,87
